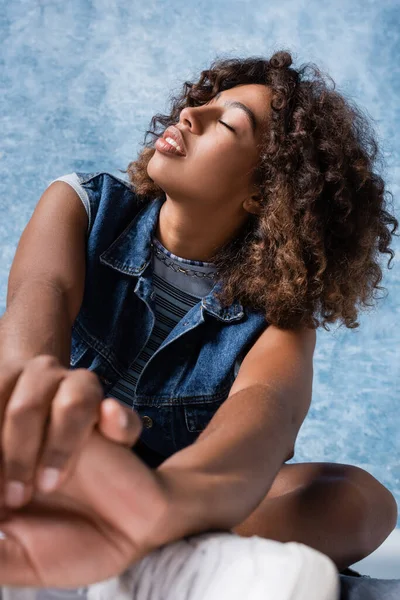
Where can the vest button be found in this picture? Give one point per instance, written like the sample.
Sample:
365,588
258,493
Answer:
147,422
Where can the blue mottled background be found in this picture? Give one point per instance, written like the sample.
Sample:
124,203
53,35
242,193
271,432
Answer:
80,82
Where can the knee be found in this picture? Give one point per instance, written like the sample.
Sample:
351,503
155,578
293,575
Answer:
380,511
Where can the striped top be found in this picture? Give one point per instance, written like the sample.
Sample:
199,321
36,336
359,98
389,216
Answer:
175,294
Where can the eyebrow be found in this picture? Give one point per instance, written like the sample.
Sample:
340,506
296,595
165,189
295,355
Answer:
249,113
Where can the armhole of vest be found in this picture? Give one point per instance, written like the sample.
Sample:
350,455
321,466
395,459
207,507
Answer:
73,180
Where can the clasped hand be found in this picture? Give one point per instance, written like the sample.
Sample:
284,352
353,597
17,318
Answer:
108,503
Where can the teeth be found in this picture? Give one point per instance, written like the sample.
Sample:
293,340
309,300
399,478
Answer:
173,142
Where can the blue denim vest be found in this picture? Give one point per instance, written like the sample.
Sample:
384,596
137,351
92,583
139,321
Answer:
191,373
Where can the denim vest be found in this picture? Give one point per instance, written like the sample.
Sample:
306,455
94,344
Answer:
191,373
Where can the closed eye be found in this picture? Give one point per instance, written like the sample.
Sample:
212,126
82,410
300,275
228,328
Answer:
226,125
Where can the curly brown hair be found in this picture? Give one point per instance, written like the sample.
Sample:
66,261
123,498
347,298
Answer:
313,250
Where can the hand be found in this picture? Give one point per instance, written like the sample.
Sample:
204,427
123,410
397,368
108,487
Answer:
47,413
98,523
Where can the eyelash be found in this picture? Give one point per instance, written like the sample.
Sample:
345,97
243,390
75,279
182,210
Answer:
231,128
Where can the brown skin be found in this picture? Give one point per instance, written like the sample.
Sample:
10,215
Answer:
40,389
210,191
98,535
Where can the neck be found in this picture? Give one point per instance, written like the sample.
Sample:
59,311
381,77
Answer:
195,236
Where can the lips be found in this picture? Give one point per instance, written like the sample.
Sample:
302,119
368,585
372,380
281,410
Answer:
175,134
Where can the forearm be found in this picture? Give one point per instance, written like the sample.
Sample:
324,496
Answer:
220,479
35,322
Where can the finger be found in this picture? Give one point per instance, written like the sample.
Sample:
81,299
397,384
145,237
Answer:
9,374
24,426
118,423
74,414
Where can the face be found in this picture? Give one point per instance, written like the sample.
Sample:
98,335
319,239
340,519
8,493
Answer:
222,149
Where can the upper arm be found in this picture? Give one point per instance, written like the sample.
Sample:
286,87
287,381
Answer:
281,360
52,247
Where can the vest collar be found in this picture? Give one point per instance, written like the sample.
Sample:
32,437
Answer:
131,253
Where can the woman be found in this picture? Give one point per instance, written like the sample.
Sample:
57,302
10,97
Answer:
264,189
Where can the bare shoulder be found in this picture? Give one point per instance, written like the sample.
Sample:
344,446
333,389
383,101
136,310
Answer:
303,338
278,354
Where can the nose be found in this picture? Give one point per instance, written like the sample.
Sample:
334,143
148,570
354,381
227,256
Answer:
186,116
192,118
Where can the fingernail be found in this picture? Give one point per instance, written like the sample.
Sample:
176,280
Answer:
124,419
48,479
15,494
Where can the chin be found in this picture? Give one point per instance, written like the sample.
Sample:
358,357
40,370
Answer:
160,176
154,166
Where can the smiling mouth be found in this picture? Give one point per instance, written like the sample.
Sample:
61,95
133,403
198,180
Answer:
174,136
168,148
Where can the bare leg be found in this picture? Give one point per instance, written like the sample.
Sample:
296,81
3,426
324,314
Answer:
340,510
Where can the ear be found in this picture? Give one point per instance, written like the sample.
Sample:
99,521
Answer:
253,204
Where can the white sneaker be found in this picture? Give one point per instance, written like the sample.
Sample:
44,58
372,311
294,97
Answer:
225,566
